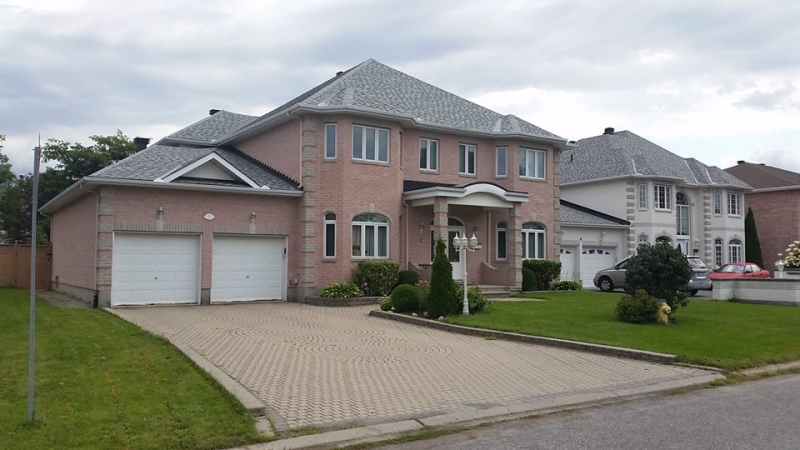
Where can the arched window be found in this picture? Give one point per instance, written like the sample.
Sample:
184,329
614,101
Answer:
735,251
664,240
717,252
533,239
330,235
502,229
370,236
682,214
643,239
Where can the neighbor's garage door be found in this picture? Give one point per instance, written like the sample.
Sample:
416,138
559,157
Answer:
154,269
567,263
247,268
594,260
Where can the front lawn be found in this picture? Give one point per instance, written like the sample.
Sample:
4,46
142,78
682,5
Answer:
103,383
727,335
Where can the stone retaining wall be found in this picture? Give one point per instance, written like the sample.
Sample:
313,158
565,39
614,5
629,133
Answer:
749,290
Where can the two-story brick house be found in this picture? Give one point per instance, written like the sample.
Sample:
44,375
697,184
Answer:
371,164
662,196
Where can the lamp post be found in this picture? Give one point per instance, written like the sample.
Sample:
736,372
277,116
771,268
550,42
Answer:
463,245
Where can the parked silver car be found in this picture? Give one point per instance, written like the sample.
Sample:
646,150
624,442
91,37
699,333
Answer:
614,278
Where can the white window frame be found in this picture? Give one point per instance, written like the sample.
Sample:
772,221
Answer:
464,152
524,154
363,222
642,192
501,227
533,233
330,145
431,161
329,221
735,251
501,170
683,211
662,192
717,203
718,254
378,133
735,205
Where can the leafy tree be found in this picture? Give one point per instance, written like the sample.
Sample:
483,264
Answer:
752,247
6,175
661,271
15,211
442,299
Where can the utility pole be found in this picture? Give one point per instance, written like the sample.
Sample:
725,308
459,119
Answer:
34,207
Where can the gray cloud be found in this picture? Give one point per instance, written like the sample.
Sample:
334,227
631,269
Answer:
780,98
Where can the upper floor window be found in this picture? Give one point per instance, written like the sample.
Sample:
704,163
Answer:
330,141
466,159
662,197
500,162
734,204
717,203
533,241
370,236
501,240
734,251
370,144
330,235
428,154
531,163
642,194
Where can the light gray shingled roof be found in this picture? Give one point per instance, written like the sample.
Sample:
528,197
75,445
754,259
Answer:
624,154
159,160
375,87
579,215
212,127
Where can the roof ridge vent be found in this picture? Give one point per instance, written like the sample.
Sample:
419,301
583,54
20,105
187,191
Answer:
608,130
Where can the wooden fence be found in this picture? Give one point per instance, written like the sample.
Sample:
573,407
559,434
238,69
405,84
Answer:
15,266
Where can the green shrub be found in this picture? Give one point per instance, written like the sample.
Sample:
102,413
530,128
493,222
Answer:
341,290
442,299
475,298
528,280
661,271
638,307
407,277
385,304
545,270
406,298
376,278
567,286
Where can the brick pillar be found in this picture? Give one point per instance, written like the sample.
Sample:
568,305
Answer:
105,240
308,209
440,219
514,239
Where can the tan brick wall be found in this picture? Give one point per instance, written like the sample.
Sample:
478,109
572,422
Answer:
73,234
278,148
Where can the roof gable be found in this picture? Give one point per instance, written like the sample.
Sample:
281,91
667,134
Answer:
210,167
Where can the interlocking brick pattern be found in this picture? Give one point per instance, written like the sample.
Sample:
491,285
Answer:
316,366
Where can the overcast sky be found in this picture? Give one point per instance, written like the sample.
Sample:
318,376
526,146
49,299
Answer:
714,80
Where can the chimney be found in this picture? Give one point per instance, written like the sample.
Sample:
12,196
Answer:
740,162
339,73
140,143
211,112
609,130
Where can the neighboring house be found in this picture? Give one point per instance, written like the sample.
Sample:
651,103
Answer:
664,197
775,201
372,164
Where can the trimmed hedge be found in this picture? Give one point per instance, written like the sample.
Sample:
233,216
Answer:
406,298
376,278
545,271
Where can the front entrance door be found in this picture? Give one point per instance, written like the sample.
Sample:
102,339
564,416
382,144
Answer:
453,254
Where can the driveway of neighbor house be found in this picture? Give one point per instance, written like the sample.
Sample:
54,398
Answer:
329,367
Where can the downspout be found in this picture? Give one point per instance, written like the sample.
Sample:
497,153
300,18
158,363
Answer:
95,297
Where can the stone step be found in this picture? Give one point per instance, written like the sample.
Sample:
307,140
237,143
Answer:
492,291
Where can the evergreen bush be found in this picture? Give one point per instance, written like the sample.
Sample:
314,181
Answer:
407,277
752,246
545,270
567,286
661,271
638,307
442,299
528,280
406,298
341,290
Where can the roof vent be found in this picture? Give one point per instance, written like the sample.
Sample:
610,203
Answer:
339,73
140,143
740,162
609,130
572,142
211,112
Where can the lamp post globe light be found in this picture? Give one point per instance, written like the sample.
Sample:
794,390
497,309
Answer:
463,245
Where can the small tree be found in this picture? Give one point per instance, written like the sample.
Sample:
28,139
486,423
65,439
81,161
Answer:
661,271
442,300
752,247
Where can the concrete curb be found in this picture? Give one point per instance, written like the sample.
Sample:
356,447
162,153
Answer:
769,369
562,343
383,432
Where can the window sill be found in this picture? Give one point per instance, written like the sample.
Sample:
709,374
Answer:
501,177
372,163
329,160
735,215
328,259
532,178
433,172
467,175
663,210
368,258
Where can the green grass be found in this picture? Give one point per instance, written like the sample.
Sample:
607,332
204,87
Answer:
730,336
103,383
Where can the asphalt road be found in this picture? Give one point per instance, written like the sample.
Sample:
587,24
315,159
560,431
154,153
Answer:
754,415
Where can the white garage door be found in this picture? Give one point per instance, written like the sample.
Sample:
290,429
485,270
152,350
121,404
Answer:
247,268
594,260
154,269
567,263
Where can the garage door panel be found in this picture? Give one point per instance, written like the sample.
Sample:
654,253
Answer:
593,260
247,268
153,268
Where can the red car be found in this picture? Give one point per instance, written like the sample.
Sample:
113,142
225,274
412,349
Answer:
739,270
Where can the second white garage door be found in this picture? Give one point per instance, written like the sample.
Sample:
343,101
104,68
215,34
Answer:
567,263
247,268
594,260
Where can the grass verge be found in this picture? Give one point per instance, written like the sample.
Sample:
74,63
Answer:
101,382
731,336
